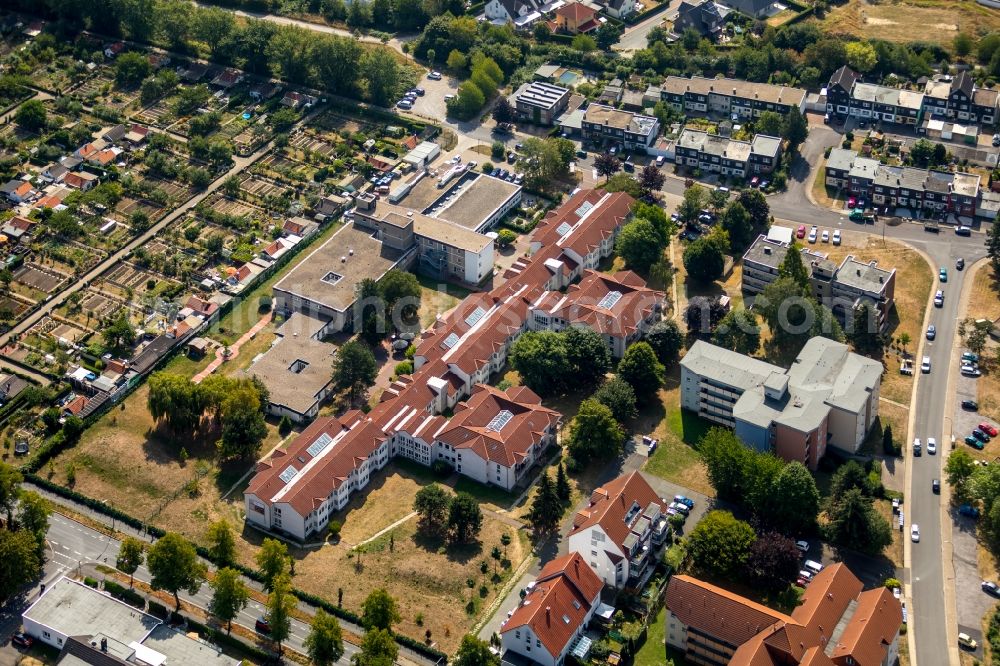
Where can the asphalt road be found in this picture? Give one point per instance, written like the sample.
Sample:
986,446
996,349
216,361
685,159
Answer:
634,37
73,545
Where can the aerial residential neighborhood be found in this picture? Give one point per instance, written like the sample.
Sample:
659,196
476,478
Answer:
503,333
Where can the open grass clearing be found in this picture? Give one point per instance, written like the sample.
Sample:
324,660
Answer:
895,21
984,303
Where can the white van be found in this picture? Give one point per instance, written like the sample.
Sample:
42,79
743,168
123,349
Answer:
813,566
660,159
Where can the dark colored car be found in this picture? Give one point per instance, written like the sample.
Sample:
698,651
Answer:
970,405
989,587
973,442
23,640
980,435
936,486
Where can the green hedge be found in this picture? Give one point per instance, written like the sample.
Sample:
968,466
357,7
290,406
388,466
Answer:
129,596
157,609
226,640
636,18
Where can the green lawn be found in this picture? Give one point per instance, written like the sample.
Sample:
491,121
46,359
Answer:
654,651
688,426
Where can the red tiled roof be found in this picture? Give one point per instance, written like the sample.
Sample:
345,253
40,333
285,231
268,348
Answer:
582,303
22,223
576,11
871,629
77,405
201,306
565,591
609,504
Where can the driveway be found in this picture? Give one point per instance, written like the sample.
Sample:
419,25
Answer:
634,37
432,104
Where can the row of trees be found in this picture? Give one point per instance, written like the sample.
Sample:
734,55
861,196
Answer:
485,79
22,535
978,485
739,224
234,406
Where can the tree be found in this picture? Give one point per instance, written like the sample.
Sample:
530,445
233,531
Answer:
738,331
861,56
717,199
773,562
10,490
607,165
354,368
737,223
119,334
503,111
583,43
229,596
131,68
31,115
639,245
769,123
617,395
993,248
642,370
381,72
431,504
855,523
727,462
378,648
720,544
474,652
651,179
33,518
542,361
959,470
794,268
130,557
19,561
864,329
692,204
963,44
280,604
587,353
563,490
795,500
272,561
922,153
325,643
465,519
795,127
546,507
848,476
174,565
401,291
704,260
222,543
623,182
379,611
243,425
666,339
456,61
703,314
888,445
545,161
506,238
756,204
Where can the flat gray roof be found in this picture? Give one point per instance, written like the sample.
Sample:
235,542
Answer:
475,200
323,278
73,609
180,649
864,167
766,145
540,94
636,123
297,366
726,366
841,158
860,275
766,252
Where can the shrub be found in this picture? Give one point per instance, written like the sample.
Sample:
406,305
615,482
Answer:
404,368
90,582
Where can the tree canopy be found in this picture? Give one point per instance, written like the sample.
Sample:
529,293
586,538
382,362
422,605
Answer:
174,565
720,544
594,433
379,610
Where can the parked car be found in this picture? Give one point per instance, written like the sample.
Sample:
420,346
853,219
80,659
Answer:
404,104
803,546
970,370
973,442
825,236
925,365
801,231
916,447
989,587
812,234
420,91
966,641
963,231
931,332
936,486
801,583
682,508
970,405
960,263
943,274
836,237
755,181
988,429
22,640
980,435
915,533
970,357
931,445
434,76
851,202
805,575
813,566
689,503
938,299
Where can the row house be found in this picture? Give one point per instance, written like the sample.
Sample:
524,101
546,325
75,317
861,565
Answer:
903,187
606,124
701,96
729,157
955,98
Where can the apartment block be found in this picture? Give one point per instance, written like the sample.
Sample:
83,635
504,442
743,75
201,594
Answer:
718,154
540,103
701,96
606,124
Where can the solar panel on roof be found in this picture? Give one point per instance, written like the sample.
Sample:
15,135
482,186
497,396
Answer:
451,340
321,443
500,420
610,299
289,474
476,315
564,228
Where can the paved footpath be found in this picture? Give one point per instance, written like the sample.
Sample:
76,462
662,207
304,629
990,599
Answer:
234,350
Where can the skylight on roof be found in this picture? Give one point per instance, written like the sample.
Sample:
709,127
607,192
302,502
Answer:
564,228
323,441
576,604
584,209
451,340
610,299
566,619
289,474
500,420
476,315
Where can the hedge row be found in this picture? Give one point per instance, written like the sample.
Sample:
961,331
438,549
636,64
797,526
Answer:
226,640
311,599
129,596
636,18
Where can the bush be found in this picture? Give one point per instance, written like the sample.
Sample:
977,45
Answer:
157,609
404,368
131,597
90,582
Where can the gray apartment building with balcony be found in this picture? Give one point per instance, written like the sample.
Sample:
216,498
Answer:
606,124
540,103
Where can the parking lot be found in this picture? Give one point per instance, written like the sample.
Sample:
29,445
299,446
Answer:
432,104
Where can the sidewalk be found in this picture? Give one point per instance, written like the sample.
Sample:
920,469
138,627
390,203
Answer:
234,350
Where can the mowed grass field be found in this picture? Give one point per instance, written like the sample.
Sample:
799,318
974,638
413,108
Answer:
911,20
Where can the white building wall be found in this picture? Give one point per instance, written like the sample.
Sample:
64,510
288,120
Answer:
523,641
676,632
847,430
593,544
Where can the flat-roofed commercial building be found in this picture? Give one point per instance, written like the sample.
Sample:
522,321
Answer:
540,103
729,96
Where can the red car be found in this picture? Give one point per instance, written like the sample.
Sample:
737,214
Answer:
801,582
988,429
801,231
23,640
851,202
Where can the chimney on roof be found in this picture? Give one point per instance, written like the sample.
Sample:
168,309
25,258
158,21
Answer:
548,614
859,272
